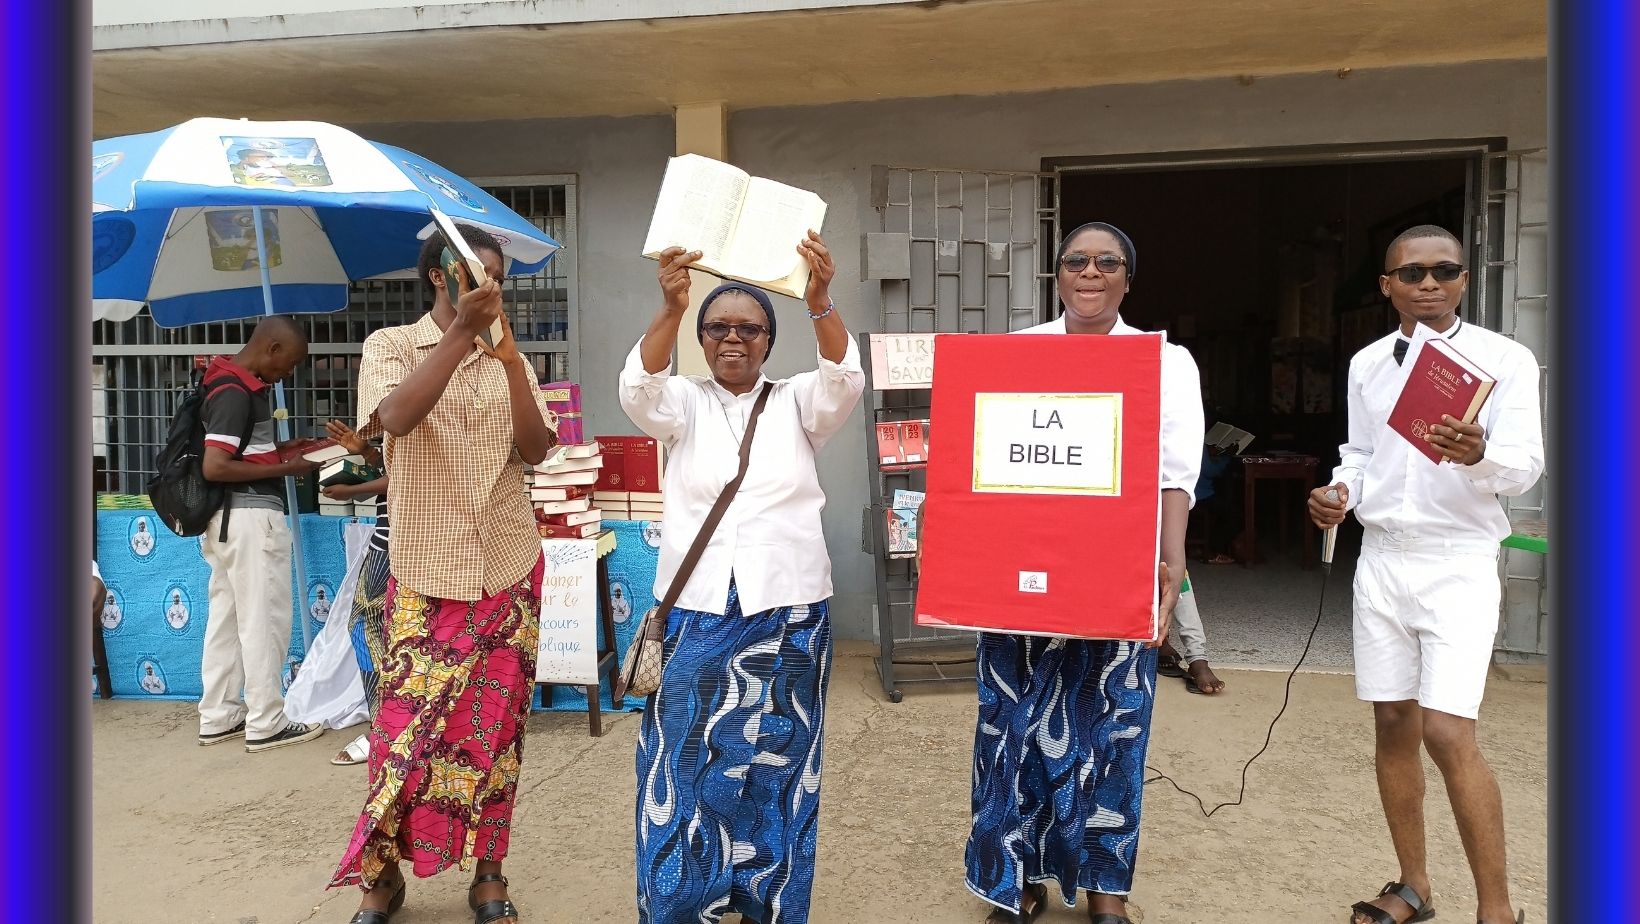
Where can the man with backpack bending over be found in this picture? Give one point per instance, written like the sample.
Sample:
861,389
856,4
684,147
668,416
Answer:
248,631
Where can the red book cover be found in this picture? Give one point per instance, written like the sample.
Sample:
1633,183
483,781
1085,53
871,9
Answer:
642,464
612,477
1441,381
1060,435
579,518
553,531
914,440
889,453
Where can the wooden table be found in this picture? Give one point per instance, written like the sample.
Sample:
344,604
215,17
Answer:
1277,468
608,659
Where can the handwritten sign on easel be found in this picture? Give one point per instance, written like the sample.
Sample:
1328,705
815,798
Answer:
568,649
902,361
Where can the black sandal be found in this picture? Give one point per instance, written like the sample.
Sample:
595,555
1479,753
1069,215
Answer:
1170,667
493,910
1422,909
1105,917
373,916
1037,891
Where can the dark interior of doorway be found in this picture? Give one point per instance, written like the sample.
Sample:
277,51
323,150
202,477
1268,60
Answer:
1269,276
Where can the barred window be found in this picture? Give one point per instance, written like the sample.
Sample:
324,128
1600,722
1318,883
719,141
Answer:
139,369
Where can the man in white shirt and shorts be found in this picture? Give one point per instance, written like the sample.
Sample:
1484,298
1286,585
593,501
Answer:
1427,592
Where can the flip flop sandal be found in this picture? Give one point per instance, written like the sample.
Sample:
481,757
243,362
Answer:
1169,668
357,751
1191,685
1004,916
1422,909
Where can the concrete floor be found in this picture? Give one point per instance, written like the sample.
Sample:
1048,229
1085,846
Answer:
190,834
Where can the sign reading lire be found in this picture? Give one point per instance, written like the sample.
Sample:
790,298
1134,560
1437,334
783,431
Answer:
1048,444
900,361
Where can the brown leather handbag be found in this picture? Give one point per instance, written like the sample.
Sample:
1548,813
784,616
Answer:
645,657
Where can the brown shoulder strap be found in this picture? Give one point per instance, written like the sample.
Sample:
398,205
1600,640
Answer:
708,527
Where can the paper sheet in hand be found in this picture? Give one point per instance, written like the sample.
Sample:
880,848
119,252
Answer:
475,271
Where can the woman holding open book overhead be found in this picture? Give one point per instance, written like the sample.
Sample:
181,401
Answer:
1059,747
728,757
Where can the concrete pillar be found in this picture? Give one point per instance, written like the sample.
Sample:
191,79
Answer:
702,128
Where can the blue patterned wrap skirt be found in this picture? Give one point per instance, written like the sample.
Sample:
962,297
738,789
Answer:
729,766
1059,760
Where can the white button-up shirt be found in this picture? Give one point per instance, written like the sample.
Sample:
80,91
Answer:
770,538
1397,489
1183,427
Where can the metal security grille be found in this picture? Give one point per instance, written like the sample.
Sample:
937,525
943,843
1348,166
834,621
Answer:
970,240
1510,279
959,251
139,368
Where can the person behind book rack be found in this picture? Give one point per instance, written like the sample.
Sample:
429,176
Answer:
1059,746
729,751
463,599
1427,593
369,601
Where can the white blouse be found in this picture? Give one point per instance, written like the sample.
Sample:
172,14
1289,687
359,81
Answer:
1397,489
769,540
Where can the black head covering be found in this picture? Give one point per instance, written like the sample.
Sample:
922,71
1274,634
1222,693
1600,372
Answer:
753,291
1113,231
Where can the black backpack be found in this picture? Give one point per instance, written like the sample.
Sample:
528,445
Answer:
181,495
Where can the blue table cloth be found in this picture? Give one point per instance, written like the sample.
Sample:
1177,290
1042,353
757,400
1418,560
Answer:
158,602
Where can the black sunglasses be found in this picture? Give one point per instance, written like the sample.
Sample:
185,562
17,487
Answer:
1413,273
1105,262
718,330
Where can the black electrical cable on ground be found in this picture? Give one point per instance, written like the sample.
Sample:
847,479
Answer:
1320,609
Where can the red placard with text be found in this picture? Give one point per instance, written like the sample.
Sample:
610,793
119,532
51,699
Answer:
1058,436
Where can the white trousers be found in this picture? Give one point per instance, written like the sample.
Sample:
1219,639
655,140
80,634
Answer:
247,631
1426,617
1187,628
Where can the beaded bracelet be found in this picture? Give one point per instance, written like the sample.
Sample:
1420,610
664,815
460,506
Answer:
830,307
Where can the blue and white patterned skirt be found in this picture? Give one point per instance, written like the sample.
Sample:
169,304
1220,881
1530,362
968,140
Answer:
1059,760
729,766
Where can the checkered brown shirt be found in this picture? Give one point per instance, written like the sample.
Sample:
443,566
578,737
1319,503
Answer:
463,527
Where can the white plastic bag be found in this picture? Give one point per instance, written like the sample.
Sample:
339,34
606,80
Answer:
329,689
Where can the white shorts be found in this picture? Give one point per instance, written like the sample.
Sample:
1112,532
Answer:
1426,617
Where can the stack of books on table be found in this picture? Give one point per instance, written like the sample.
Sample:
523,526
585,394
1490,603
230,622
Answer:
561,490
630,486
348,469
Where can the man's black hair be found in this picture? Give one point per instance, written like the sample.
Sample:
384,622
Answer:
433,248
1417,232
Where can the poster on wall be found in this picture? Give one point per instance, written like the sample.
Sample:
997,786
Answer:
568,650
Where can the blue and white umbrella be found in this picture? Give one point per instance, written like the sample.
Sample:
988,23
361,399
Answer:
176,213
174,218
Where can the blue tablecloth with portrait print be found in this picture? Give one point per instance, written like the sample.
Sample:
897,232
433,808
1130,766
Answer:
154,616
153,620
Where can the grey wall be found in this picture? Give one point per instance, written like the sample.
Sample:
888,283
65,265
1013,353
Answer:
831,150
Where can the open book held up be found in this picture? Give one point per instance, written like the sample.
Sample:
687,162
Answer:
745,227
1226,438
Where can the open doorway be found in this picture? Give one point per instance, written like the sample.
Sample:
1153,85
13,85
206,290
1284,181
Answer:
1268,274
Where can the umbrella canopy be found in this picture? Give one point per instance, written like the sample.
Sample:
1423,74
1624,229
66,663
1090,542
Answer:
173,219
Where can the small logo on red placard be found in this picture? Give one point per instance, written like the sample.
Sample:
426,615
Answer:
1419,428
1033,582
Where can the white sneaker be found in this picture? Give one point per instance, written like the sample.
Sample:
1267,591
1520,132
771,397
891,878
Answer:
294,733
